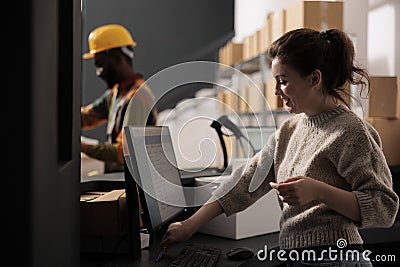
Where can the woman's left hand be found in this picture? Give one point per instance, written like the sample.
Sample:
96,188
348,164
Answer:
297,190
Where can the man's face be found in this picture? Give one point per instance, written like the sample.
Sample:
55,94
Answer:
106,67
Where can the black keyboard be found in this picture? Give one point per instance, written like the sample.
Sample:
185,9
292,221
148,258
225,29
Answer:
196,256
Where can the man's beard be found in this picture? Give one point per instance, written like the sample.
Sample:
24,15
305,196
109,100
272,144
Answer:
110,80
110,84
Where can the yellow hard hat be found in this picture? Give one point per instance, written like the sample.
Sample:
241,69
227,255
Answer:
106,37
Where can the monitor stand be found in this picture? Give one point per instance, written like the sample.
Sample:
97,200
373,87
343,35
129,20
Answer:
156,235
134,194
132,204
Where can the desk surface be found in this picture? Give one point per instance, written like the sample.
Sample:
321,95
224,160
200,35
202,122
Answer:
225,244
386,243
149,255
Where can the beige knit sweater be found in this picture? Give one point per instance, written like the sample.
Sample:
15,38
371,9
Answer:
336,147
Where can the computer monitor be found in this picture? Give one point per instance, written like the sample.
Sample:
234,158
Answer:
150,158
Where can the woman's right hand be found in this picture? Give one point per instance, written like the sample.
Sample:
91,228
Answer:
181,231
177,232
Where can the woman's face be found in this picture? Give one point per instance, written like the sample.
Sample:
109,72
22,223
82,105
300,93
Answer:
295,90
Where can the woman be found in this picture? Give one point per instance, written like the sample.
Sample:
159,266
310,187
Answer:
328,165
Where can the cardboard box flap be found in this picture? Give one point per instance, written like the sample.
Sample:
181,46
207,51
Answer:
110,196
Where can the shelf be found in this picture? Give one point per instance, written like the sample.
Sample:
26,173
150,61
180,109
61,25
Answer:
226,72
249,66
254,64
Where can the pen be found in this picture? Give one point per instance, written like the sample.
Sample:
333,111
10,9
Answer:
159,256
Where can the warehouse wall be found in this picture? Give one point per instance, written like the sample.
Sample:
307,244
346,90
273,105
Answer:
384,37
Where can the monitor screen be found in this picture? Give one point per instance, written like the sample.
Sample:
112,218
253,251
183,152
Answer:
150,158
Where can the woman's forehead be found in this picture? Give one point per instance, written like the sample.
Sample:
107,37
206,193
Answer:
282,70
278,66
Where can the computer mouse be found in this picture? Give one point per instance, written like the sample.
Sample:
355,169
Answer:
240,253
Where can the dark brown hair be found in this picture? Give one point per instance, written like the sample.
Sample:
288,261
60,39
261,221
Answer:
331,52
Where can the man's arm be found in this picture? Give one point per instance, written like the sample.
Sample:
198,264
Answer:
90,118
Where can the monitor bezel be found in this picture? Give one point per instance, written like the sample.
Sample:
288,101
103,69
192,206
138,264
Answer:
147,222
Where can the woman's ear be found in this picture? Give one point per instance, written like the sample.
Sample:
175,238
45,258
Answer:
316,77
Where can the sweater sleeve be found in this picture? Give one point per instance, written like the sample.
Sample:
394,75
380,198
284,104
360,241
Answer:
362,163
234,194
104,152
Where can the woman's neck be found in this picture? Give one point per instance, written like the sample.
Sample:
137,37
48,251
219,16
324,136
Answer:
325,105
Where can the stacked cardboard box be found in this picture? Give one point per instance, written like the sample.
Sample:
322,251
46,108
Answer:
232,102
244,96
248,47
266,32
221,101
231,53
222,56
103,214
382,97
234,52
273,28
318,15
257,49
383,113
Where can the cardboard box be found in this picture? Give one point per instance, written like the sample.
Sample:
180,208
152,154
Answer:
222,54
243,103
383,97
257,43
266,33
221,101
389,131
247,223
232,102
249,46
398,98
103,214
318,15
252,45
246,47
234,53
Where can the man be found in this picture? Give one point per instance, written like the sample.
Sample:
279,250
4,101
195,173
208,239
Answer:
111,46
